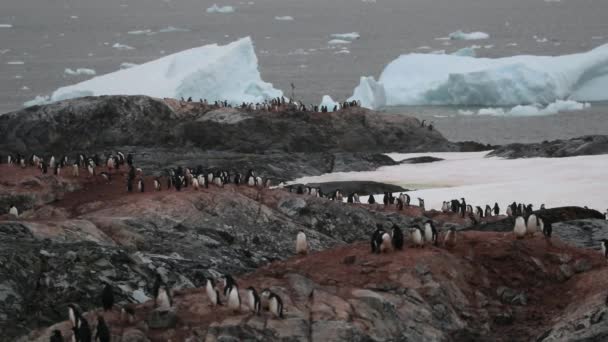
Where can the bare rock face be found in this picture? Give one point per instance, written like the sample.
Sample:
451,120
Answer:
587,145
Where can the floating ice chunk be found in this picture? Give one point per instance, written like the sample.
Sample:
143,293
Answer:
488,46
25,88
342,52
15,62
138,32
6,25
298,52
465,112
460,35
346,36
284,18
338,42
329,102
169,29
127,65
73,17
370,93
228,72
217,9
536,110
423,48
79,71
465,52
119,46
512,44
491,111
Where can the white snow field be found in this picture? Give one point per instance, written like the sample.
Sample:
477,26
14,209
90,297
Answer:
220,9
370,93
229,72
424,79
459,35
580,181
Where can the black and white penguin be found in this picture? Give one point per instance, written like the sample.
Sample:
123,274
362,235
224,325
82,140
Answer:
455,205
371,200
546,227
253,301
385,198
519,229
157,186
75,170
275,305
107,298
449,240
604,247
387,244
510,211
13,211
532,225
350,198
376,239
397,237
496,209
417,237
479,211
399,204
73,315
469,209
106,176
158,282
212,292
445,207
488,212
163,300
421,203
140,185
103,332
542,207
463,207
231,291
301,243
127,314
56,337
83,331
430,232
356,198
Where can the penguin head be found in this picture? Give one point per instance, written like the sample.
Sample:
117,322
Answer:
251,289
266,292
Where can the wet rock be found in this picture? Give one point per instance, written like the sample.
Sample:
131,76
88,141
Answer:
586,145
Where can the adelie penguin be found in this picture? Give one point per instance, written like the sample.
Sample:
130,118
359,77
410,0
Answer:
430,232
397,236
605,248
488,212
301,244
140,185
253,301
275,304
376,239
417,239
212,292
103,332
73,315
519,229
163,300
107,298
531,225
82,332
496,209
231,291
387,243
547,228
421,203
449,241
13,211
371,200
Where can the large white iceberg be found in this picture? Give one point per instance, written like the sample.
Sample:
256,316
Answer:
328,102
229,72
370,93
423,79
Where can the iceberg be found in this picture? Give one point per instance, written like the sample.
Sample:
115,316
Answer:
423,79
346,36
465,52
119,46
79,71
329,102
459,35
214,72
284,18
370,93
217,9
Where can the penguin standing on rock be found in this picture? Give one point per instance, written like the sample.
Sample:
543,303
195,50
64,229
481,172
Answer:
253,300
140,185
416,234
397,236
212,292
496,209
371,200
421,203
83,331
547,228
301,244
488,212
449,241
605,248
74,315
13,211
107,298
387,244
232,292
163,300
376,240
103,332
520,227
275,305
532,225
430,232
399,204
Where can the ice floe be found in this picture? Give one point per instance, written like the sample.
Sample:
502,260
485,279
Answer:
220,9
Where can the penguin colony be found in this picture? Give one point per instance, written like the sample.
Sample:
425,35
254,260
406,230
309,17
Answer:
274,105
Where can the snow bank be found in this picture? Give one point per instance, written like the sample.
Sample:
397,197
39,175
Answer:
329,102
423,79
582,180
370,93
465,52
459,35
228,72
79,71
217,9
346,36
284,18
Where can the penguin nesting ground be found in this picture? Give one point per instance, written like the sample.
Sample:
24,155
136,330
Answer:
605,248
430,232
163,300
520,227
449,240
13,211
107,298
56,337
231,291
416,235
103,332
387,244
301,244
212,292
532,225
397,236
253,301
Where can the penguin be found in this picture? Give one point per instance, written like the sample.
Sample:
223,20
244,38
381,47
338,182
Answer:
455,205
57,170
157,184
542,207
531,225
376,239
140,185
275,305
301,244
385,199
399,204
251,181
445,207
103,332
13,211
604,244
509,211
488,212
520,227
253,300
356,198
469,209
231,291
371,200
463,207
397,237
407,200
496,209
421,203
107,298
83,331
430,232
163,300
158,282
449,241
91,170
387,244
195,183
106,176
56,337
127,314
75,170
350,198
74,315
546,228
52,162
212,292
479,211
416,235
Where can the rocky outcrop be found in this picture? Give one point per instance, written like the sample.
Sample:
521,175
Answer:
587,145
362,188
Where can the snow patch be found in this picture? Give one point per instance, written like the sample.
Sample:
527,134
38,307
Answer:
342,52
284,18
346,36
460,35
370,93
119,46
228,72
223,9
79,71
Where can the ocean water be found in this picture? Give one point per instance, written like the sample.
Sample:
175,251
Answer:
50,36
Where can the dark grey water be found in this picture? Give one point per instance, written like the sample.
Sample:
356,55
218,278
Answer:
51,35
